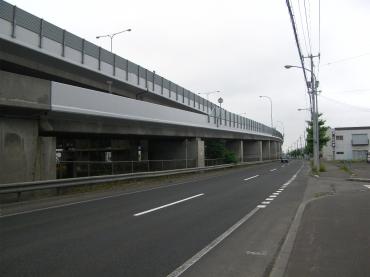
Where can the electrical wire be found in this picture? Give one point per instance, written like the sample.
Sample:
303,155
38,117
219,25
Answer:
301,21
307,26
347,59
364,109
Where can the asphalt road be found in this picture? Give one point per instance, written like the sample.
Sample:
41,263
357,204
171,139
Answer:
148,233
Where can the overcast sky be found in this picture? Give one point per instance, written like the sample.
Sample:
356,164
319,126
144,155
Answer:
239,48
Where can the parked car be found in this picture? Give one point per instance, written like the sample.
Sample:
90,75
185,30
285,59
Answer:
284,159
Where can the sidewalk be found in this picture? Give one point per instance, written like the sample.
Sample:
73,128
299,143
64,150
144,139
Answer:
333,237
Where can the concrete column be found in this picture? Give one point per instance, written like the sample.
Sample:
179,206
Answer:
236,146
266,150
195,150
260,151
25,156
252,150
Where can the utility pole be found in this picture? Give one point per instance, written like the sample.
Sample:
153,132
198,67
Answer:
315,120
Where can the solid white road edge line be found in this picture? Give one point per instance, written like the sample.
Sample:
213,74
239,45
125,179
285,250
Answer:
181,269
246,179
167,205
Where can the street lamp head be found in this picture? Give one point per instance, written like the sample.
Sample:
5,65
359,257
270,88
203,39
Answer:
128,30
220,100
97,37
288,66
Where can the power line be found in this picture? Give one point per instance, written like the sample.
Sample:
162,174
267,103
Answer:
307,26
303,32
296,39
347,59
364,109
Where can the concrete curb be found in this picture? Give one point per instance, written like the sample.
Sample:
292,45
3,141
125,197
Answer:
359,180
281,262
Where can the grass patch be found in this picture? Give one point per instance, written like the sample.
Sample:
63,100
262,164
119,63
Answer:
321,194
322,168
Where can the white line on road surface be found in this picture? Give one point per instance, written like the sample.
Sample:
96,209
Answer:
272,196
246,179
269,199
261,206
368,186
181,269
272,169
265,202
276,193
170,204
282,165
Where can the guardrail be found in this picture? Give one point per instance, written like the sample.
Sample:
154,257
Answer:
85,181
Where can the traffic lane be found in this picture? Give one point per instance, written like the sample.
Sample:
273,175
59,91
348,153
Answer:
252,248
213,218
158,195
125,205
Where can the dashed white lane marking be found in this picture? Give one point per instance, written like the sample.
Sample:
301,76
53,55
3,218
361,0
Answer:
246,179
269,199
265,202
272,196
367,186
282,165
170,204
272,169
181,269
276,193
261,206
262,253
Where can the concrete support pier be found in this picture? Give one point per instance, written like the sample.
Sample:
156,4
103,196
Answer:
252,150
25,156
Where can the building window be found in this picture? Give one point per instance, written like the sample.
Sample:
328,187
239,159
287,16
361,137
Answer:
339,153
360,139
339,137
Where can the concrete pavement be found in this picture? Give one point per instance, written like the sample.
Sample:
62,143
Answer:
333,233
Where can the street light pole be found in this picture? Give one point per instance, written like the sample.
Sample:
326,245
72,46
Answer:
111,36
314,114
269,98
220,101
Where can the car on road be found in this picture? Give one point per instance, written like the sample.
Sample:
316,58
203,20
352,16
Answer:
284,159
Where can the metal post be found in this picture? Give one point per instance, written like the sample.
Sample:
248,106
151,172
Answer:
315,124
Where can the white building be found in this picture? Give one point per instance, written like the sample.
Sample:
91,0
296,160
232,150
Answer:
348,143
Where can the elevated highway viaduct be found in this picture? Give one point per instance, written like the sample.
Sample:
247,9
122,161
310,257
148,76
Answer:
66,100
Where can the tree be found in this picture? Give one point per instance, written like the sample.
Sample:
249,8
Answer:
323,138
216,149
